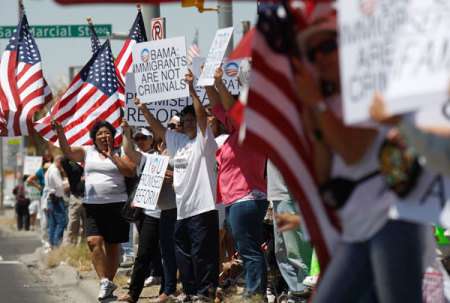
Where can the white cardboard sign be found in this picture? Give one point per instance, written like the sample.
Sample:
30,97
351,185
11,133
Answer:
398,48
215,56
166,109
151,181
159,69
32,164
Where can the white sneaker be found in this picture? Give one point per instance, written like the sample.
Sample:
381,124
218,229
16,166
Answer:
311,281
106,289
150,281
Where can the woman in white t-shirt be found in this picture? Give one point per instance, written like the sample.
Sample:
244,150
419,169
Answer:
104,198
196,230
379,259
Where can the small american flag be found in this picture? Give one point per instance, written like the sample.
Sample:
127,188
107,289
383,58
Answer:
125,59
23,89
273,125
95,42
91,96
193,51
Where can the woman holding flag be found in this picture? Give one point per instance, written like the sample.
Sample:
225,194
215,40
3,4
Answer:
104,198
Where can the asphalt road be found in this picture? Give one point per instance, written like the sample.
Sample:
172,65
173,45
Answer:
18,282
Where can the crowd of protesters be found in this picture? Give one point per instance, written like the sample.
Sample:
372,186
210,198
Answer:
216,188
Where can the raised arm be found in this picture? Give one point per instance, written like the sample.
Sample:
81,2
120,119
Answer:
200,113
128,147
75,154
212,93
225,96
351,143
32,181
157,128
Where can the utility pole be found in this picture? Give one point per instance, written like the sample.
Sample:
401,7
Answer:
150,11
225,18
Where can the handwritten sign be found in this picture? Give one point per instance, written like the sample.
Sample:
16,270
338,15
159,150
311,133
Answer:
215,56
159,69
32,164
398,48
151,181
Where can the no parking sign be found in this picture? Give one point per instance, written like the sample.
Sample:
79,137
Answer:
158,28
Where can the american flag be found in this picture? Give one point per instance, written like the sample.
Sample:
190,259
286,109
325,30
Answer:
23,89
91,96
95,42
125,59
273,125
193,51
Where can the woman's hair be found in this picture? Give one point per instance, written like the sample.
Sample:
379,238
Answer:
100,124
188,109
47,158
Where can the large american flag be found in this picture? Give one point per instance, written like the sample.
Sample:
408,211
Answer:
23,89
125,59
91,96
273,125
95,42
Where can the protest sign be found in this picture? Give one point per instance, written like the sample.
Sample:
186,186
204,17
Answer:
152,179
426,202
429,201
215,56
159,69
32,164
32,192
229,78
398,48
166,109
162,110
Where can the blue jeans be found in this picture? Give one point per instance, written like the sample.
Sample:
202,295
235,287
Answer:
245,220
127,248
293,254
197,253
389,263
56,221
167,243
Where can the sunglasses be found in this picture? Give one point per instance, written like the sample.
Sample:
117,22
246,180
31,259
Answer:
325,47
172,126
140,138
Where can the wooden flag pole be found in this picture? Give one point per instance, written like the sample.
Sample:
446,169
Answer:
22,7
138,5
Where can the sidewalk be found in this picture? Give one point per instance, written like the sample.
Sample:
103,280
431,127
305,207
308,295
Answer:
81,286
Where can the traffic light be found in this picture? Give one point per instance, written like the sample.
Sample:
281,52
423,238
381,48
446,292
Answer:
199,4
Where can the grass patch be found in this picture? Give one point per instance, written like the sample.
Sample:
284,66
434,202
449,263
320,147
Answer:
75,256
121,281
9,222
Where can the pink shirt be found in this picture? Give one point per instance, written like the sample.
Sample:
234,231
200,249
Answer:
241,169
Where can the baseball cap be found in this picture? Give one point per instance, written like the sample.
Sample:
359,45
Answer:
144,131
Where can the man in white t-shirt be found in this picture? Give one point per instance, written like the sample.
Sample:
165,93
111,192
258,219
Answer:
196,230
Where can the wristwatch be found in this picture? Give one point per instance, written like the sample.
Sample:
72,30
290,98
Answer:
319,108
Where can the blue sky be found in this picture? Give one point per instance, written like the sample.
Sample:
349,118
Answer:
60,53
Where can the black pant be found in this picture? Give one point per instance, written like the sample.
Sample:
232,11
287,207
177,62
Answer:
148,250
23,215
197,253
